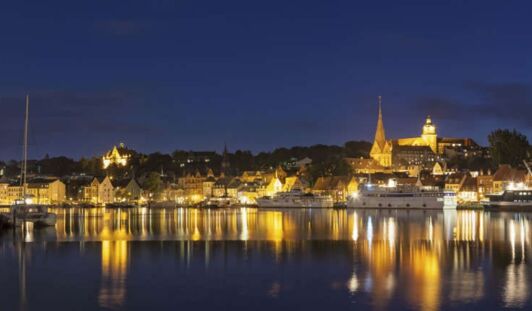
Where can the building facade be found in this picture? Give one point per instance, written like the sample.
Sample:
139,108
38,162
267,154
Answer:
423,149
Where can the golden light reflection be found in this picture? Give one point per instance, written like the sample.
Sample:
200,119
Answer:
353,284
244,235
380,278
354,235
425,285
433,257
516,292
114,273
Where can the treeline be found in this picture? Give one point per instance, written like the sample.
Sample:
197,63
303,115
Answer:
505,147
327,159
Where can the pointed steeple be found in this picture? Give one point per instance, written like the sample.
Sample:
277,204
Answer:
225,161
380,136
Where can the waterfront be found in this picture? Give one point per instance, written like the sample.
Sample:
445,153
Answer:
231,259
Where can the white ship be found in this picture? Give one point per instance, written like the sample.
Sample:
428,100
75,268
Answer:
401,197
516,196
295,199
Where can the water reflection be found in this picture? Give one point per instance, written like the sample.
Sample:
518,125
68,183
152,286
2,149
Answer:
114,272
423,260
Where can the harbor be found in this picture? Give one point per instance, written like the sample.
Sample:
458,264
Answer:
372,259
265,155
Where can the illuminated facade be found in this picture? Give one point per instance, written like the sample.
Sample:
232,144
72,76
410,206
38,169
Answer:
46,191
414,150
42,191
98,191
117,156
381,151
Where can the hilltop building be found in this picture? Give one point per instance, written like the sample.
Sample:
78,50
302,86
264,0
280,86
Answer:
118,156
427,148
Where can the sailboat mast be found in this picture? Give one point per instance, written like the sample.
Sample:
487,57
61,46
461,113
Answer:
25,159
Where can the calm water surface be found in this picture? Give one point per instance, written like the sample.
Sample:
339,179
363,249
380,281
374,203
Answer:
242,259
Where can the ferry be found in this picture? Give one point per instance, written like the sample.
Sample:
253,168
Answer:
515,197
294,199
401,197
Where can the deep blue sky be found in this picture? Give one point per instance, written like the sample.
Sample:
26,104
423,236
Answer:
165,75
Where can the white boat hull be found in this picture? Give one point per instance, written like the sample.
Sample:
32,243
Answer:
272,203
510,206
420,202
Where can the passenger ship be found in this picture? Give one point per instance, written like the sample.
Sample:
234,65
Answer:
401,197
515,197
295,198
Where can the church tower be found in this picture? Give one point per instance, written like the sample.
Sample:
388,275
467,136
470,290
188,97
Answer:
429,135
381,150
225,170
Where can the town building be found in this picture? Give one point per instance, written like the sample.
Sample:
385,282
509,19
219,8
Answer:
41,190
127,190
192,185
366,166
455,181
118,156
468,192
424,149
99,191
507,175
4,184
338,187
295,183
46,191
484,185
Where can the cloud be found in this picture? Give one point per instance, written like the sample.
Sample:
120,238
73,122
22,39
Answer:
506,102
69,116
509,101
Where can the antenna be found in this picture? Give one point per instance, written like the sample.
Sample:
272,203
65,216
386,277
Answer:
25,152
527,167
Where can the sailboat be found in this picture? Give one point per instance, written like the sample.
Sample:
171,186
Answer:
23,211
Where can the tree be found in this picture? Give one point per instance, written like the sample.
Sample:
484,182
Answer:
508,147
332,166
357,149
153,184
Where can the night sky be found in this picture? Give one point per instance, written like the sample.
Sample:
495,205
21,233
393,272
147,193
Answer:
165,75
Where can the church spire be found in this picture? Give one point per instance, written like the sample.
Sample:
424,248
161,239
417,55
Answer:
381,149
380,136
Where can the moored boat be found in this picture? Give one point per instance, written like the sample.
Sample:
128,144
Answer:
401,197
23,210
219,202
510,200
119,205
295,198
22,213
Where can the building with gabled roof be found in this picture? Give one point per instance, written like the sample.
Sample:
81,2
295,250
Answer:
505,175
423,149
118,156
338,187
99,191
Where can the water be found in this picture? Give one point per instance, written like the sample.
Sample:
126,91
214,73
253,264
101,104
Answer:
242,259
